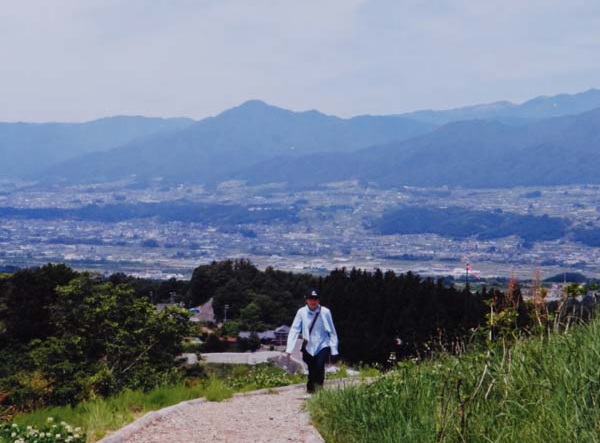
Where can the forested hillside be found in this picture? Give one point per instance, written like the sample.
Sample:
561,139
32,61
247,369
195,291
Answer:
460,223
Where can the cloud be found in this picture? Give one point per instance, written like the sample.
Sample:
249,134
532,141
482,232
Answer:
74,60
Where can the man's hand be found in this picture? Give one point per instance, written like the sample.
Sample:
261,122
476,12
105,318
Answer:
333,359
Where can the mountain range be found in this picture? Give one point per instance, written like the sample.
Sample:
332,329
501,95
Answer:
27,149
471,153
213,149
507,112
547,140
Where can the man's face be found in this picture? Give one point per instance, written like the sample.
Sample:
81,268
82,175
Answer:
312,303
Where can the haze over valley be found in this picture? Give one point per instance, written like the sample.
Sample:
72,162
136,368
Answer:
508,187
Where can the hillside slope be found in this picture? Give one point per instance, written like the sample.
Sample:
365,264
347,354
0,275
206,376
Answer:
544,389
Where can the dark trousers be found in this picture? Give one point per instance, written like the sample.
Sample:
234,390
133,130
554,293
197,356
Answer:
316,368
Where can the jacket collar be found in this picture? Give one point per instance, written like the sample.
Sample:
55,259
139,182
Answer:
317,309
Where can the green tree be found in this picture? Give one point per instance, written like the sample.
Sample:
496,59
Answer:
231,328
26,297
106,339
250,316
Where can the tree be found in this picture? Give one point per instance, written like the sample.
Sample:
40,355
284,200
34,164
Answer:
106,339
250,316
231,328
251,343
26,297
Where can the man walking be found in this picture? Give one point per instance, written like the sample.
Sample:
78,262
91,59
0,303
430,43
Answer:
320,342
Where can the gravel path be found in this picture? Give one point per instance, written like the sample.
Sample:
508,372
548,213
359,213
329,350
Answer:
267,416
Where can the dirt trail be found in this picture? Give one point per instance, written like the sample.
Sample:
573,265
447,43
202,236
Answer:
267,416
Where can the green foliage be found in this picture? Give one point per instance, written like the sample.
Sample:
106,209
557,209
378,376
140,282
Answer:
217,390
368,372
100,415
191,347
230,328
251,343
154,290
107,340
250,316
100,339
377,314
27,296
540,390
262,376
458,222
213,344
49,433
274,296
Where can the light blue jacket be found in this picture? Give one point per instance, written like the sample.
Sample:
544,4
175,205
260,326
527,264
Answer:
322,335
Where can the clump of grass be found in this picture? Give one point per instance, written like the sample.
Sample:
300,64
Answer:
540,390
217,390
261,377
368,372
341,372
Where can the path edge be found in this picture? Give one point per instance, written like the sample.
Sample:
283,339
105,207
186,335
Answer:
147,419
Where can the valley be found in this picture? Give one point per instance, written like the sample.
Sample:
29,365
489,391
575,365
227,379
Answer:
314,230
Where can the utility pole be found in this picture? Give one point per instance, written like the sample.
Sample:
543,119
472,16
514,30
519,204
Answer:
225,308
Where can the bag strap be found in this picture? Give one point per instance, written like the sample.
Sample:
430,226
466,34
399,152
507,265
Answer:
312,325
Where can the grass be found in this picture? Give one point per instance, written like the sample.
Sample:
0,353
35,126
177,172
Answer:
102,415
540,390
99,416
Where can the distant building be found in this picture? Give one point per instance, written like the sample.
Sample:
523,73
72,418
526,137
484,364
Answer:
203,313
277,337
281,335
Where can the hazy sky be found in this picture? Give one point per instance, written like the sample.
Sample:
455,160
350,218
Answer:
75,60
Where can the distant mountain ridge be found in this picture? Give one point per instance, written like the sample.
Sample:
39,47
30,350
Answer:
214,148
475,153
261,143
28,148
507,112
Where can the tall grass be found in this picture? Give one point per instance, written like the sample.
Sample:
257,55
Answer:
544,389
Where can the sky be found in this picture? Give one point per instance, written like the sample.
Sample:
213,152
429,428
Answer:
75,60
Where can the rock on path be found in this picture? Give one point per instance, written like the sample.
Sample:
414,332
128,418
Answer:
267,416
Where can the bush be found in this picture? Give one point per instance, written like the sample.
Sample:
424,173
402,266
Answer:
251,343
